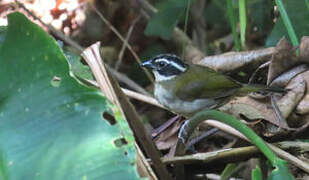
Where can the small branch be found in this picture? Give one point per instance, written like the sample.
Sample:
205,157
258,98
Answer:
199,23
224,156
147,7
132,94
144,98
123,78
231,155
284,155
123,40
123,48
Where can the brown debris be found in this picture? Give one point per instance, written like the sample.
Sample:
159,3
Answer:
283,59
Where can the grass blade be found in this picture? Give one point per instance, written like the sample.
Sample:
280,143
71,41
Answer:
287,23
242,21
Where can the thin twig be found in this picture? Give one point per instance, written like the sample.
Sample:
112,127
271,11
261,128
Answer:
123,78
284,155
123,48
264,65
202,136
131,94
199,23
231,155
186,24
123,40
147,7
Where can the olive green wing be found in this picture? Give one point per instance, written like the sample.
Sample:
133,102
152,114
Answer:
201,82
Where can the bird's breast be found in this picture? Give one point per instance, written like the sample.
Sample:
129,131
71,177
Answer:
167,98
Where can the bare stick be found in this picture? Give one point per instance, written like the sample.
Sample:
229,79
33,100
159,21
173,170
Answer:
123,48
283,154
132,94
123,40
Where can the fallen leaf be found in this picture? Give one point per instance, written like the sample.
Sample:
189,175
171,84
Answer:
303,106
291,99
283,59
169,137
304,49
234,60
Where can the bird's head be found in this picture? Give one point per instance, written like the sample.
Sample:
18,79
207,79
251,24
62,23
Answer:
165,66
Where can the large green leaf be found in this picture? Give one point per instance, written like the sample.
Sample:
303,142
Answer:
163,23
52,129
299,14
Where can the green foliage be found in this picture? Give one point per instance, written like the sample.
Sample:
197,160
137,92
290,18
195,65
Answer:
287,22
2,34
77,67
260,16
228,171
257,174
231,15
50,131
280,171
163,23
242,21
298,14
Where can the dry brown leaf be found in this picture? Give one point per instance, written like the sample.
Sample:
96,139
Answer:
303,106
304,49
292,98
167,143
169,137
284,78
283,59
237,109
286,104
234,60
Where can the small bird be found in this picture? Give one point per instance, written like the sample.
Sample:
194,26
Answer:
188,88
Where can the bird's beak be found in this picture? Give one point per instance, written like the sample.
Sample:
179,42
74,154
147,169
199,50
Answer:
148,64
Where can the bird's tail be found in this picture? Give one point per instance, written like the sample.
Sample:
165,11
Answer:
248,88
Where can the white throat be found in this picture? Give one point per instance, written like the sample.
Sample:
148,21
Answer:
160,77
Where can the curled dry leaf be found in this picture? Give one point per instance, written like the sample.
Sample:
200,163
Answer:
234,60
303,106
286,104
283,59
291,99
169,137
284,78
304,49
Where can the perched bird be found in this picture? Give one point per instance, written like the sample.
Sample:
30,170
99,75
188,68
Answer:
187,88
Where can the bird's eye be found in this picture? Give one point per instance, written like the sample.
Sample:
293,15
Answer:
161,64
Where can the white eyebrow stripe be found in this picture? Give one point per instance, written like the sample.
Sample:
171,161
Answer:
163,59
181,68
